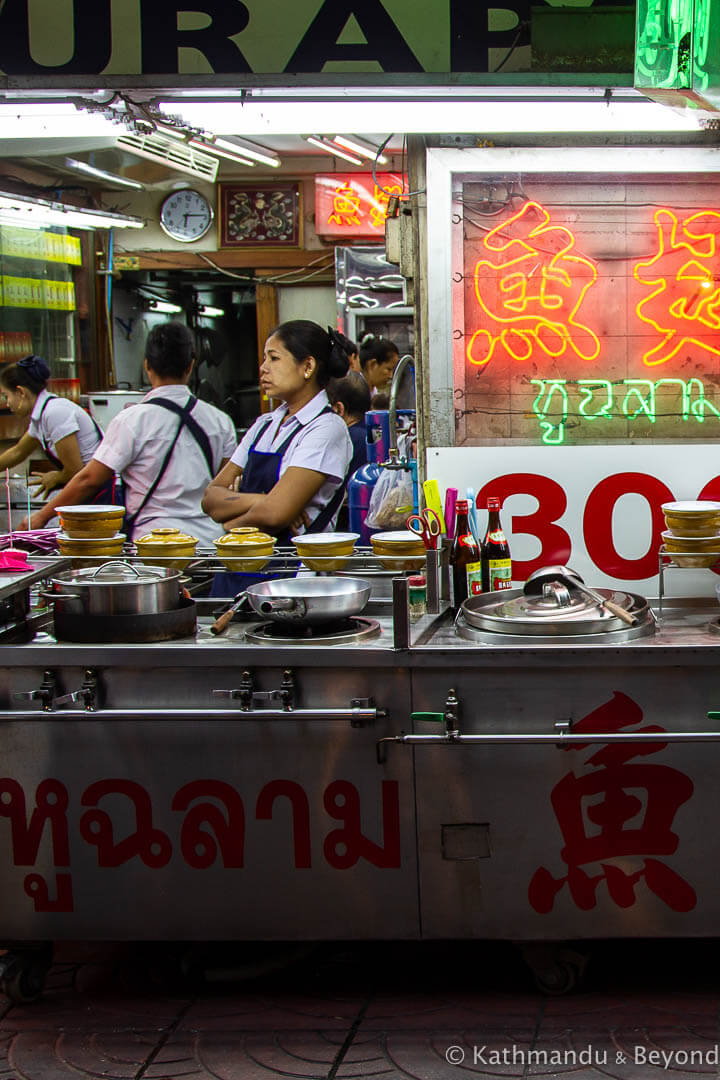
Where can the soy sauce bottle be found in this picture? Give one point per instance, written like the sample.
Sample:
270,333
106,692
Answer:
495,552
464,557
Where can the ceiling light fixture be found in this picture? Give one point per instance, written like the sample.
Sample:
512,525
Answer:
101,174
164,306
209,312
361,148
331,148
456,111
222,149
26,211
260,154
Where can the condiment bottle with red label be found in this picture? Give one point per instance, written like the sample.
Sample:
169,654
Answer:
495,550
464,557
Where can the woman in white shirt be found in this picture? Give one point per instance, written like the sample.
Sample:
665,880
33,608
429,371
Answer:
290,469
65,433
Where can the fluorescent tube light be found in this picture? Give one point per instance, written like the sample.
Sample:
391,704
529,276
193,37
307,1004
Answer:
330,148
264,156
361,148
454,114
53,121
164,306
225,150
207,311
101,174
25,211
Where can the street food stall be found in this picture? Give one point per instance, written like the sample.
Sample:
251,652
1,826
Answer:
532,766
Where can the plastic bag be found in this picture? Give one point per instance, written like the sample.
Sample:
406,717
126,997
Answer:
391,501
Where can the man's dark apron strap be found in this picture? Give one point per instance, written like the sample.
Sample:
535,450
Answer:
185,421
183,411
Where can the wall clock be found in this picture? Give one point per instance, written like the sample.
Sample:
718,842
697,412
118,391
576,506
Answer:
186,215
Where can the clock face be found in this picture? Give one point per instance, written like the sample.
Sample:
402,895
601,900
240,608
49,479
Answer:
186,215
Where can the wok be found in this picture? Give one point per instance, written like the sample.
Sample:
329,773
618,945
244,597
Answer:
307,601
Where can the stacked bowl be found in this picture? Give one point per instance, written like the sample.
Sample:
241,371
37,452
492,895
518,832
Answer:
90,531
692,536
400,549
325,551
245,549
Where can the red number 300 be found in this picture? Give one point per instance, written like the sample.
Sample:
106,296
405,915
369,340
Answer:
555,543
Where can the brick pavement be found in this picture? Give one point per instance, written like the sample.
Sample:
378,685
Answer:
368,1012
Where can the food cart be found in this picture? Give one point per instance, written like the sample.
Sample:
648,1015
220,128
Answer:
495,774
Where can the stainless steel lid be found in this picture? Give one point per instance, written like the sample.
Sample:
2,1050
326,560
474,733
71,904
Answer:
558,611
116,572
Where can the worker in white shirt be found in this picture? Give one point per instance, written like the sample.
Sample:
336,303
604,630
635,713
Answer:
166,448
65,433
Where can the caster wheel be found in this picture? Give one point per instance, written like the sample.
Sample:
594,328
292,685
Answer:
561,978
25,982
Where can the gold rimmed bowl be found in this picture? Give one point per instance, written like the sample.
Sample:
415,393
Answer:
91,522
245,549
325,551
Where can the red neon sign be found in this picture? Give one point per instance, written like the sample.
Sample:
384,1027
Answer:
530,285
354,204
684,305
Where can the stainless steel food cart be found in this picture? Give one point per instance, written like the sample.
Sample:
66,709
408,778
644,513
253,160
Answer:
397,781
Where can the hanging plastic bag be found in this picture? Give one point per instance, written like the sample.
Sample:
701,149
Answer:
391,501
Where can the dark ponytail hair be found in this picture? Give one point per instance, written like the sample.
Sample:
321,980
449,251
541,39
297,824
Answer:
31,372
331,349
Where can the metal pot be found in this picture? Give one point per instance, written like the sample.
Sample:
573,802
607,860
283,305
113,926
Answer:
308,601
116,588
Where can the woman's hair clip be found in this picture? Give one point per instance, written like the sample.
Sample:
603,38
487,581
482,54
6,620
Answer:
36,368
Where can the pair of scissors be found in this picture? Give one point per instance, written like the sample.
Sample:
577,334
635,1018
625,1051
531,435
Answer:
427,525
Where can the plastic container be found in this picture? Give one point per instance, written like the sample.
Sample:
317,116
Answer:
360,489
417,596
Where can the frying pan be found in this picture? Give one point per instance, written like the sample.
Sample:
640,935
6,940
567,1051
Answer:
308,601
534,587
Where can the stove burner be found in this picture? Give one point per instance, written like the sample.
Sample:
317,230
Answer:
355,628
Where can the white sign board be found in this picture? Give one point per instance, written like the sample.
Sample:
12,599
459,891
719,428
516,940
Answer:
593,508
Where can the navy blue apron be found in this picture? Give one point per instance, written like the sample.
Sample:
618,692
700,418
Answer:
259,477
200,436
106,494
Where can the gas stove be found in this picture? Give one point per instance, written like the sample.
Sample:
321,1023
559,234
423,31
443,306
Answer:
343,632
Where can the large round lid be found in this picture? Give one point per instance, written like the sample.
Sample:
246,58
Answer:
116,572
557,611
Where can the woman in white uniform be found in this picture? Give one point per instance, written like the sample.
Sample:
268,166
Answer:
65,433
290,470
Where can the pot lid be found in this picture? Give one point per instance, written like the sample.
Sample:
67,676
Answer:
557,610
166,536
242,537
115,572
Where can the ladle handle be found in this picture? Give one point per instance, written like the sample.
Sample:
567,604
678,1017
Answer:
621,613
221,623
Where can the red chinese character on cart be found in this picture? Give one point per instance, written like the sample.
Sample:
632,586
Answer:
379,204
617,816
346,206
684,305
530,286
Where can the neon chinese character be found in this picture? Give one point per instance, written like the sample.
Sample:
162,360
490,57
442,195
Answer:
619,811
530,288
346,206
684,305
378,206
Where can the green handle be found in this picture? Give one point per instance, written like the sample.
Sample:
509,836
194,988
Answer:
713,716
429,717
